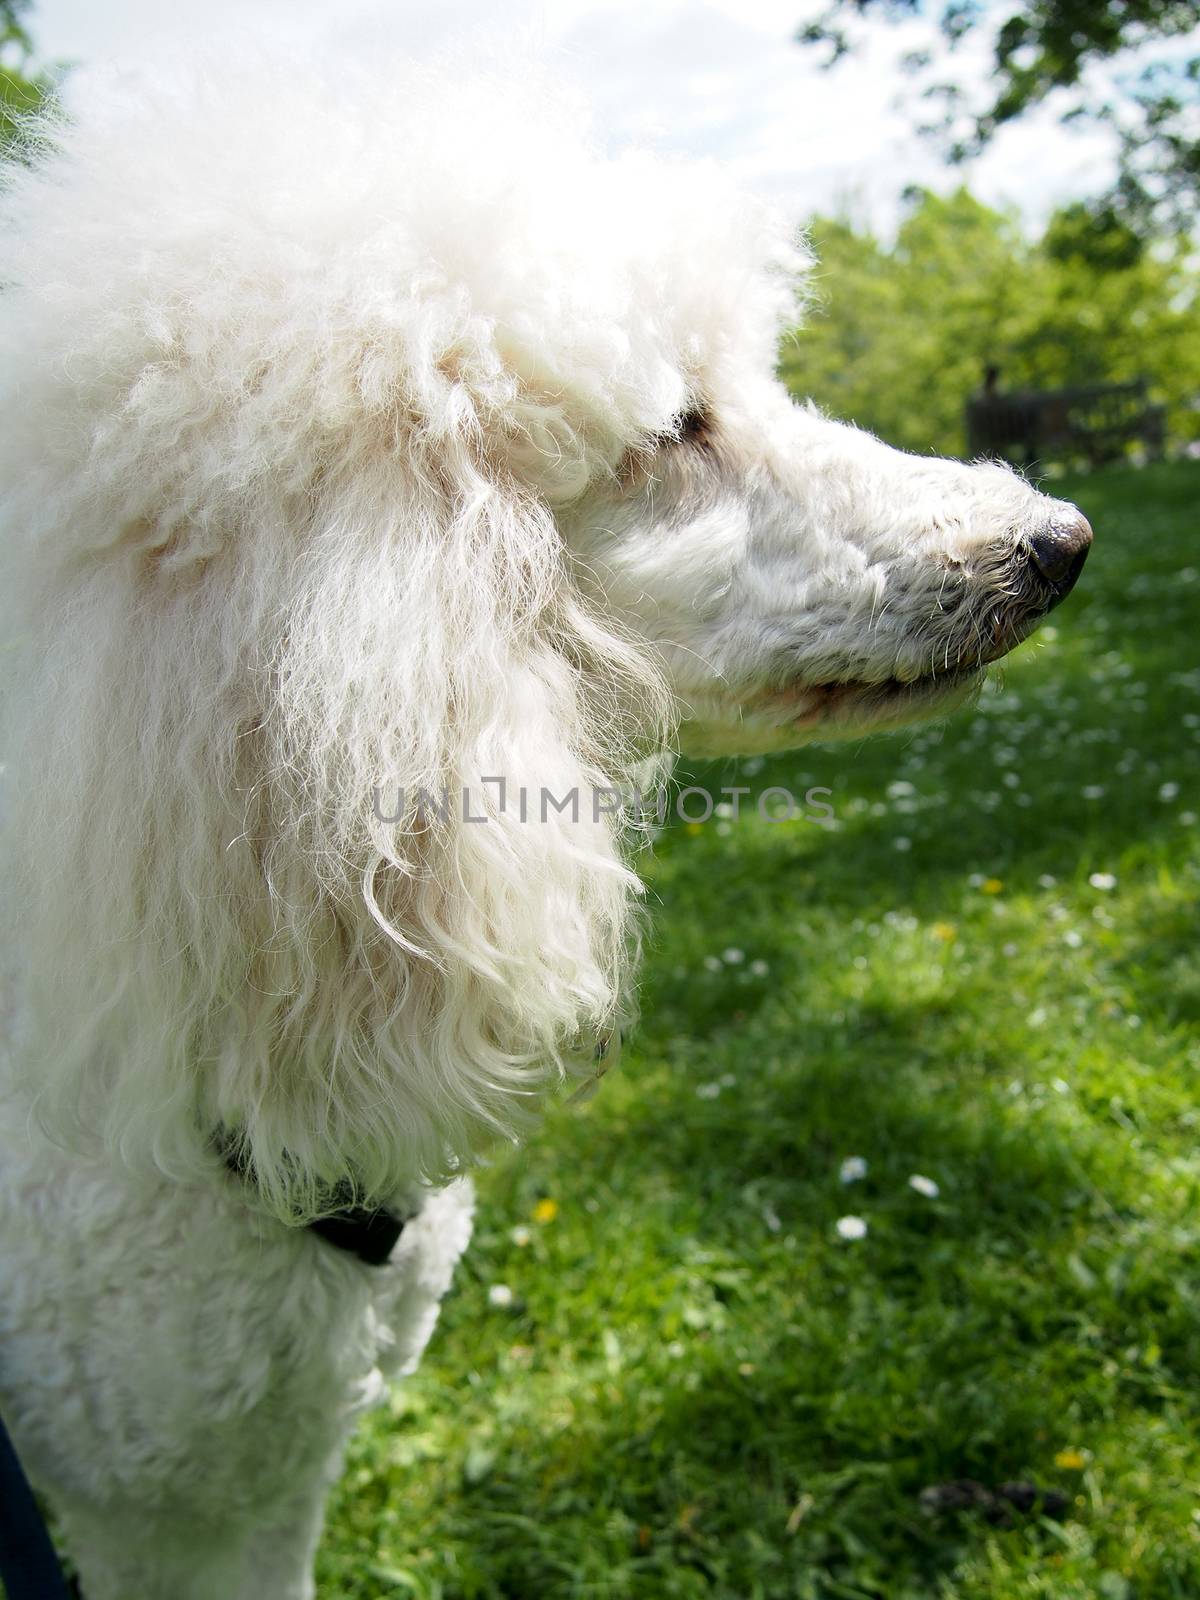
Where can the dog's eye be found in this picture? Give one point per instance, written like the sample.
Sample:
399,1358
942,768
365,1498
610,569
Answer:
695,425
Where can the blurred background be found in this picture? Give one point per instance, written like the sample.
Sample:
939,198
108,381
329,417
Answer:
874,1274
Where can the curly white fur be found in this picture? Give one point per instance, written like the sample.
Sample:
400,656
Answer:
369,428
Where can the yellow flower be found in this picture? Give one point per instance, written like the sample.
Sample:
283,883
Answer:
991,885
545,1211
945,931
1071,1460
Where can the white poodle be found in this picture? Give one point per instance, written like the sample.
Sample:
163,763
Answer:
371,434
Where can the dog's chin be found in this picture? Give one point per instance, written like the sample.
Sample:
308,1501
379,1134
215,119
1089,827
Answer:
783,719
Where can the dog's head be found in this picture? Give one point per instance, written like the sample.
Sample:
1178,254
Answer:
609,362
377,450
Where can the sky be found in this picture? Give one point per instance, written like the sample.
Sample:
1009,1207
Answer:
719,78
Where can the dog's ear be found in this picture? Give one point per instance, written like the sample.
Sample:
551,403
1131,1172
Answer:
449,908
265,903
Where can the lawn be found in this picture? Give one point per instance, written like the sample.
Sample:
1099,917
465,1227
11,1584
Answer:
666,1372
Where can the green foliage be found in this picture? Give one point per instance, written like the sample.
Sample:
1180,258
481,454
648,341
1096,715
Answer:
19,96
986,975
906,330
1045,46
22,89
13,32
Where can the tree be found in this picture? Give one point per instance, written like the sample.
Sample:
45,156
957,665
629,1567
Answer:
22,89
907,329
12,29
1045,46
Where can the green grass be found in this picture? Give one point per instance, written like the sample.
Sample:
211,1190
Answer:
700,1388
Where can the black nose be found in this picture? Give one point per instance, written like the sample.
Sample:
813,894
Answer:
1059,551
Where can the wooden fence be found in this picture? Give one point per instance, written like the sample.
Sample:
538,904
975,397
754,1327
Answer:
1089,425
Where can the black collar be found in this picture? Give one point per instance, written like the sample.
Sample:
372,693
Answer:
369,1235
368,1232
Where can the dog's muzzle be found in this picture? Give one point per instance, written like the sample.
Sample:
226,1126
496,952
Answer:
1057,555
1046,565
